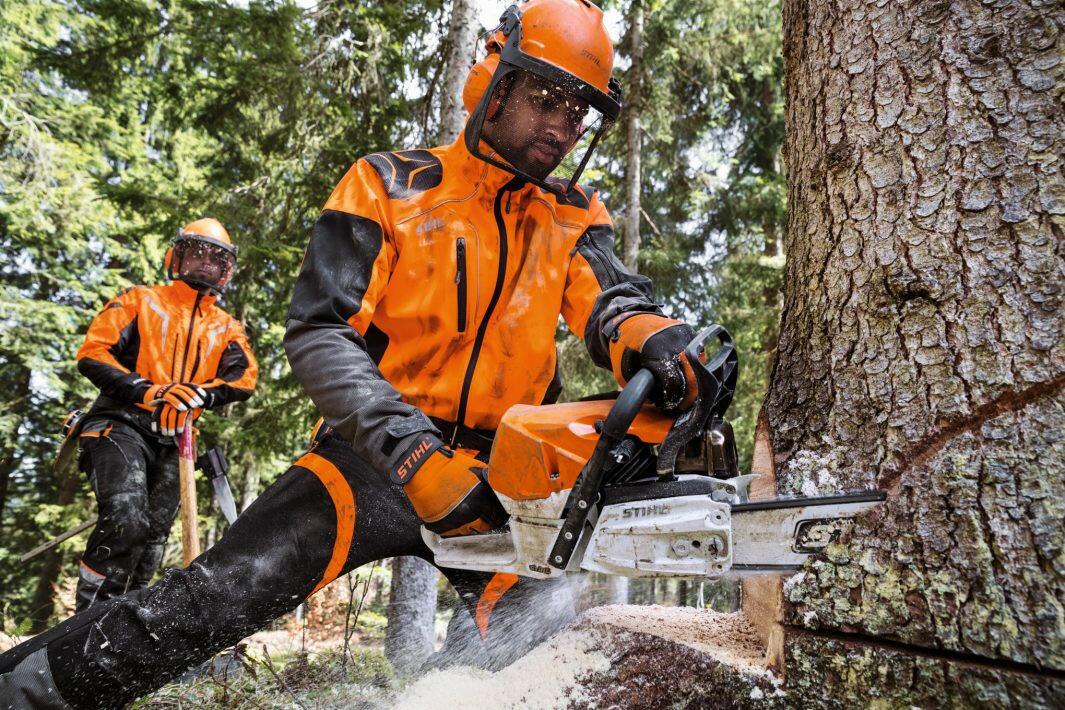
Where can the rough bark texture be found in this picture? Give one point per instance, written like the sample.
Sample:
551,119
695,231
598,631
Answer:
920,349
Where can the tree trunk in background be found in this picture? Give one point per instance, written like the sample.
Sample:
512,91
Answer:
920,351
43,604
631,246
461,40
412,604
410,636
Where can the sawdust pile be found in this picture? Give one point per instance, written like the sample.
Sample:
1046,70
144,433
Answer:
548,677
556,672
728,638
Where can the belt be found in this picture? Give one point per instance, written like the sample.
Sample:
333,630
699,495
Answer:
459,435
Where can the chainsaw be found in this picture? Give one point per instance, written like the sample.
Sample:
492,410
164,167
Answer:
615,486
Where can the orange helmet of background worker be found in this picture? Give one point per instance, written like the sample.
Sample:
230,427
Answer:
564,49
202,255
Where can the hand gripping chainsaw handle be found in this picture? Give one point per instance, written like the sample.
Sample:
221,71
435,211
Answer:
716,379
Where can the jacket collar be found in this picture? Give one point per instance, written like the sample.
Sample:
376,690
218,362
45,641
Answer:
473,169
180,292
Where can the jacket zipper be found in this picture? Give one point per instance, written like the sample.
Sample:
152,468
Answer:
188,336
497,209
460,282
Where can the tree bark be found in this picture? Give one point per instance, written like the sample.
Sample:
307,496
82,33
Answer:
9,454
631,243
920,346
410,635
460,43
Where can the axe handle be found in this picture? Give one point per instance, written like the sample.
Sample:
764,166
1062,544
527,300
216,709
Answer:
190,533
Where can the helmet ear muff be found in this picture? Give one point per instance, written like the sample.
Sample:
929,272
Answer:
168,260
477,81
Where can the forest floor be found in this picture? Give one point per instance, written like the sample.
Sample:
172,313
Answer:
611,655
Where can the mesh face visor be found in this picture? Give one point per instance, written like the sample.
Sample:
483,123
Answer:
204,263
538,121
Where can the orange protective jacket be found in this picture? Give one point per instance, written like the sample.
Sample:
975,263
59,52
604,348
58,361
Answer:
167,333
433,284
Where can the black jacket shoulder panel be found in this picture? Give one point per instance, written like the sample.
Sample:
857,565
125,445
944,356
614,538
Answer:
407,172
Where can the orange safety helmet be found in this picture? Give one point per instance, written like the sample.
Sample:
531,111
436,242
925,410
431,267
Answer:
211,238
561,42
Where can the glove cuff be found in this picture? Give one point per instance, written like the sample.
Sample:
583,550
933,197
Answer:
415,457
629,332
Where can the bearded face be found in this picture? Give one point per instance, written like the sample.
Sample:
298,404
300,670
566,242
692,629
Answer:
536,123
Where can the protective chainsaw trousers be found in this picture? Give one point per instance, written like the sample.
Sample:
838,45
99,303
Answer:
135,479
328,514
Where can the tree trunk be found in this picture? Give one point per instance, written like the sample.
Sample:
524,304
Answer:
631,244
920,350
251,482
9,454
460,43
411,614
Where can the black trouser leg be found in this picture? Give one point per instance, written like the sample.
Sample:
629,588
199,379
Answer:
163,499
116,458
326,515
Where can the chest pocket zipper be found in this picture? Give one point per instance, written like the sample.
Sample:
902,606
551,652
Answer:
460,282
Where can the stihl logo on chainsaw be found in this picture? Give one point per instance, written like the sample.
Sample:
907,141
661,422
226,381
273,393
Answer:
645,510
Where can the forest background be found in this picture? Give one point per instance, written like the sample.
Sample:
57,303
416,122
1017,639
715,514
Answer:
121,120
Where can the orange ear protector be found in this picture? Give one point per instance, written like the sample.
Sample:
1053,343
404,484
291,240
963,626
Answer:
477,83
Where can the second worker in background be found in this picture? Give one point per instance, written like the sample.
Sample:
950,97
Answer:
160,355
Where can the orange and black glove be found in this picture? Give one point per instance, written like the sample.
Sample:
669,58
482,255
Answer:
168,420
648,340
180,396
448,489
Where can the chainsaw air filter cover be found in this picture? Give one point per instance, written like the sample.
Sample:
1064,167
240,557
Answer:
540,450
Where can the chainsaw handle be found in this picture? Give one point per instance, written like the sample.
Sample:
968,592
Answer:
716,380
585,493
627,406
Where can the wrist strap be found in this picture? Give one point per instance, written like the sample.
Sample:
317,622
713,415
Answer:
424,447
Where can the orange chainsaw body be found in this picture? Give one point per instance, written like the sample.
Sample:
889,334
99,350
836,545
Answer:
540,450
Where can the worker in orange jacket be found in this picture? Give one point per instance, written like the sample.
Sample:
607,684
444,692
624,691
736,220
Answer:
159,355
425,307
